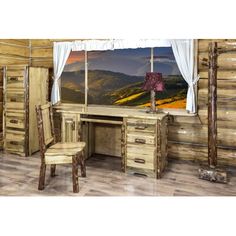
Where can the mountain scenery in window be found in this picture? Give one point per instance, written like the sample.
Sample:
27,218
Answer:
116,78
72,79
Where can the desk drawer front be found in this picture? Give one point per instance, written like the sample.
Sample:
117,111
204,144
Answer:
141,171
140,139
140,163
141,158
141,121
143,149
140,126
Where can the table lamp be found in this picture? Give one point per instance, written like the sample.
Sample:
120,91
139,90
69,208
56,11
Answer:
153,83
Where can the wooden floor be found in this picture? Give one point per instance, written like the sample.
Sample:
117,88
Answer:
19,177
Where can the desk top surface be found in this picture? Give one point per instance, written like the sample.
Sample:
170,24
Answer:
109,111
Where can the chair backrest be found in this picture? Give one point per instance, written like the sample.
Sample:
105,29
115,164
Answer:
45,126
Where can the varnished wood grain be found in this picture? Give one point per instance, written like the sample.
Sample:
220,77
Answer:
212,105
19,177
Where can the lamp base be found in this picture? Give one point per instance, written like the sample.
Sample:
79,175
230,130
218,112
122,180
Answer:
152,111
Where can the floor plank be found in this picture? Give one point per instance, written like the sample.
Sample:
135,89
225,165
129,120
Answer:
19,177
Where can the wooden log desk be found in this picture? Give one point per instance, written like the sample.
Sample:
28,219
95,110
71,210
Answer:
142,136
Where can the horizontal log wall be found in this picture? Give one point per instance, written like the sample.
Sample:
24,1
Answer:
14,52
187,136
41,52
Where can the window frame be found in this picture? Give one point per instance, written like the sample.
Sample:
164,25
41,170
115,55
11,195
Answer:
171,111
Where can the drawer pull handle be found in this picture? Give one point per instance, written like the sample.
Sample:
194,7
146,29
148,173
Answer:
13,78
14,121
13,100
141,127
139,160
140,140
13,142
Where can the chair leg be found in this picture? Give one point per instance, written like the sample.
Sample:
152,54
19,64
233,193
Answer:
75,176
42,176
82,164
53,170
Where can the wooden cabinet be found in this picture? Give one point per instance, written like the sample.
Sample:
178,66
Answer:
24,87
145,146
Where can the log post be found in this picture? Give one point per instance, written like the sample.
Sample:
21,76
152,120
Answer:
211,172
212,105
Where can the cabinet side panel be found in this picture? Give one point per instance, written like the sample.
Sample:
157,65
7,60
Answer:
38,93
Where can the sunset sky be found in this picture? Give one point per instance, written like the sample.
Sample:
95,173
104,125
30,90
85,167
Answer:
128,61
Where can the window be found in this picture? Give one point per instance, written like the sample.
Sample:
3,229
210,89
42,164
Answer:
115,77
72,79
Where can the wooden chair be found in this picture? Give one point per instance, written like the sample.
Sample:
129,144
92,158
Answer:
57,153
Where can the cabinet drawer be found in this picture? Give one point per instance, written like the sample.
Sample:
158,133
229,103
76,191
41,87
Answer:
15,121
140,138
15,99
15,82
15,141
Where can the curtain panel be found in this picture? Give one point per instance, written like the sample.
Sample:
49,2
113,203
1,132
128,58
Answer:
61,52
183,50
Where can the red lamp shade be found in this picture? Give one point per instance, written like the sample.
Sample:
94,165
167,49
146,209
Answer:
154,81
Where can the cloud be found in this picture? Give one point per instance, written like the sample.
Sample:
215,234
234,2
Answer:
75,57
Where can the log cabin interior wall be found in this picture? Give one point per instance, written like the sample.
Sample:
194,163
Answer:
1,107
187,135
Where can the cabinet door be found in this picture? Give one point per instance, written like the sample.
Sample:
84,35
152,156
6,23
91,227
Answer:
38,87
70,128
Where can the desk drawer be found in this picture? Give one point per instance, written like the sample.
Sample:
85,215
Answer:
141,121
143,149
141,125
140,163
15,82
141,171
140,138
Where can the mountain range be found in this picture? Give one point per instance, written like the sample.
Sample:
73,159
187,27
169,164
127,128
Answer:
108,88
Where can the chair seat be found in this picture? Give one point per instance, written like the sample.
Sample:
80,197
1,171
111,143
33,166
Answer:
62,152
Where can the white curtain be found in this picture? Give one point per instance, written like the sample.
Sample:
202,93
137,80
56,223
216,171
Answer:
111,44
183,50
61,52
92,45
140,43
